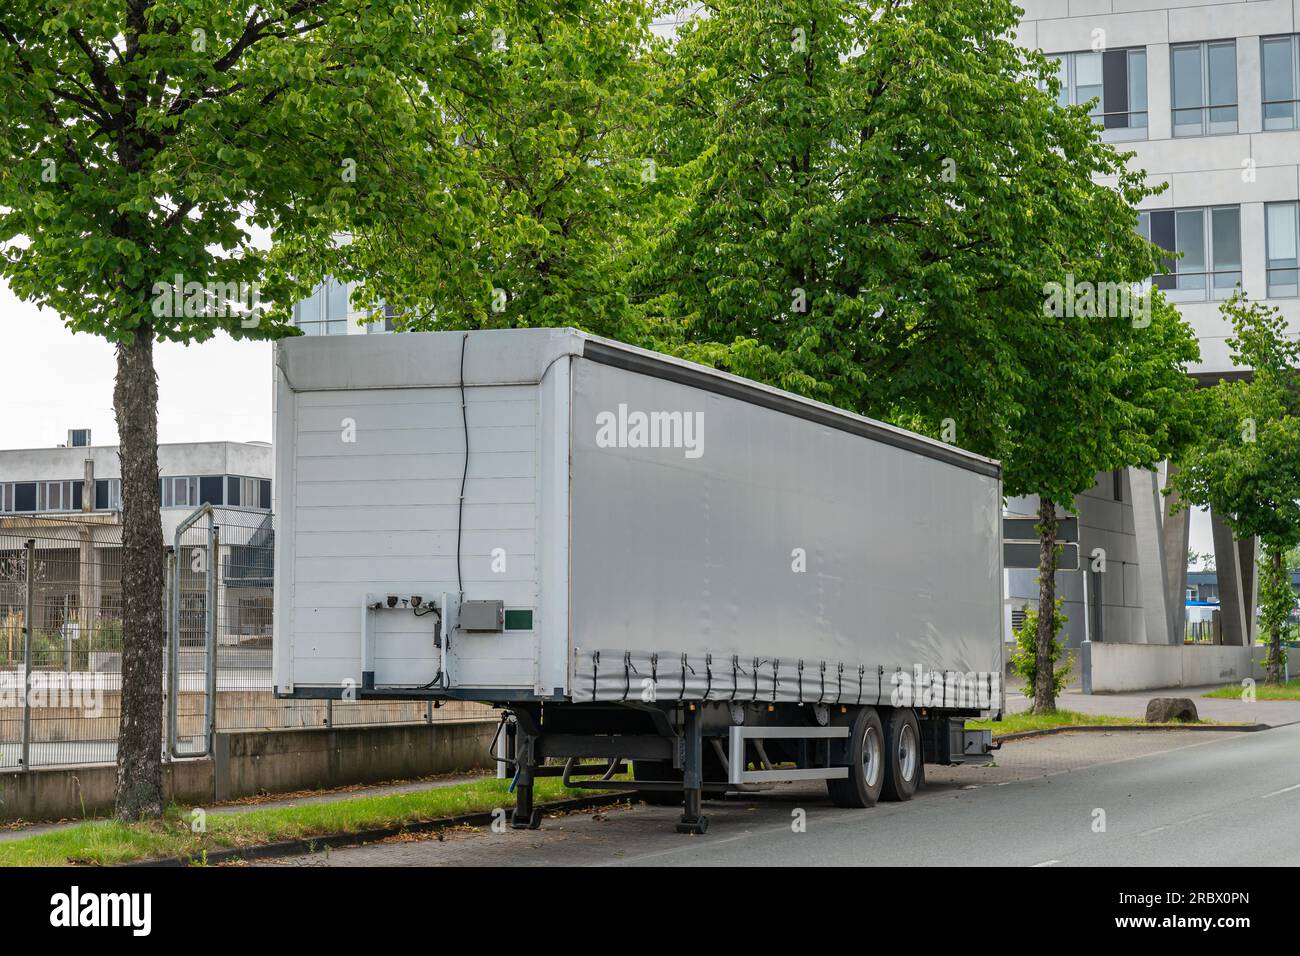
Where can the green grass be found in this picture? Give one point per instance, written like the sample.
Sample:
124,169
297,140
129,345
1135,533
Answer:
108,841
1288,691
1016,723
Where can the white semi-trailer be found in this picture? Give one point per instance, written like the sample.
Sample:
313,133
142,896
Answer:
639,559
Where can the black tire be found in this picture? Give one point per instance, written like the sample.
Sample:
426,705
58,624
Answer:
644,771
904,759
866,777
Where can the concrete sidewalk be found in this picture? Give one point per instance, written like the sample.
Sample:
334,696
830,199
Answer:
1134,704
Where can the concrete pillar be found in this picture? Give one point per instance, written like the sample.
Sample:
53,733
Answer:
1148,510
1177,538
1227,562
88,486
1246,554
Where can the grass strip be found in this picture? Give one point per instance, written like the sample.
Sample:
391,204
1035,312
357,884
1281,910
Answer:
110,841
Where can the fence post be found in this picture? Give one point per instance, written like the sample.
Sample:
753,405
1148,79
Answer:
214,557
428,711
172,595
29,605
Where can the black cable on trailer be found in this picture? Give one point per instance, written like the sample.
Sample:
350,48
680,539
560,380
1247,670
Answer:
464,475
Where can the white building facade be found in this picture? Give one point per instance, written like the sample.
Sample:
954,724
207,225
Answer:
1207,96
71,480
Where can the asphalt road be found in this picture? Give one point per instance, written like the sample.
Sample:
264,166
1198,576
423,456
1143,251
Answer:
1169,798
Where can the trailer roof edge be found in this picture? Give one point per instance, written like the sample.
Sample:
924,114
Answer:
633,359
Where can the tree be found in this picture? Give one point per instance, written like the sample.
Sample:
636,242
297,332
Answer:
143,143
1246,462
883,206
550,131
1100,392
860,197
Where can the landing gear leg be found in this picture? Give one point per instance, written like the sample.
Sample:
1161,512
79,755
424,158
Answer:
525,816
693,820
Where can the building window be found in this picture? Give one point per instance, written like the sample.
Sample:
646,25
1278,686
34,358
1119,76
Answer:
325,311
108,494
1117,483
180,492
1117,81
385,323
248,492
25,496
1204,88
1280,74
1282,235
211,490
56,496
1209,240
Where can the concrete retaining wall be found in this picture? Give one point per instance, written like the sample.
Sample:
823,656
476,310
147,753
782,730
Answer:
268,761
1110,668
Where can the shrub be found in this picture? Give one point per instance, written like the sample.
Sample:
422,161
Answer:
1025,659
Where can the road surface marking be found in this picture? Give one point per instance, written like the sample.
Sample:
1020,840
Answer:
1045,863
1278,793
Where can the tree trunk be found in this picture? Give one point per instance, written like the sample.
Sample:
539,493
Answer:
1277,557
139,741
1044,677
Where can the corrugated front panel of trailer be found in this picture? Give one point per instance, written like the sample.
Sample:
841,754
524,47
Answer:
374,498
776,559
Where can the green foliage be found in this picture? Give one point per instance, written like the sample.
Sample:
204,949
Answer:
1024,661
146,140
1277,600
863,202
1246,465
550,129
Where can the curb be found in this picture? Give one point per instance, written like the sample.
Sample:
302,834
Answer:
1111,728
307,845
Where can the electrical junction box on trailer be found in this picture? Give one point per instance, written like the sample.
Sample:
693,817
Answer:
482,616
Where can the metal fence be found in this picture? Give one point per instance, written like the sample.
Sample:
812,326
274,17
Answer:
60,678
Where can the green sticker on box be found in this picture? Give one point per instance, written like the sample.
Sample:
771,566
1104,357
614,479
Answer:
519,620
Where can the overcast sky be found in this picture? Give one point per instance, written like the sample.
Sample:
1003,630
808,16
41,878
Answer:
55,380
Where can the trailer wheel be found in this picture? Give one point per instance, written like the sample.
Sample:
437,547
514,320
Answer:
866,763
903,757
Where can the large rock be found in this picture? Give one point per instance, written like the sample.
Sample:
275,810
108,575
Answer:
1164,710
